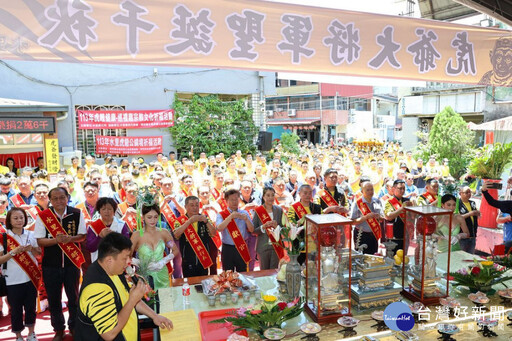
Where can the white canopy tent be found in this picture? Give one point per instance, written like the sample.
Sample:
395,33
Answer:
502,128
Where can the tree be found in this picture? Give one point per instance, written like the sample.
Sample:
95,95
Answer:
212,126
449,138
290,143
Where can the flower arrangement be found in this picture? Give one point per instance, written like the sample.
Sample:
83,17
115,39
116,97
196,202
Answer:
288,235
270,313
481,276
505,260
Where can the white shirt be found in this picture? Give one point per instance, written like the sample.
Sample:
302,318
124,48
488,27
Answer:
40,229
15,274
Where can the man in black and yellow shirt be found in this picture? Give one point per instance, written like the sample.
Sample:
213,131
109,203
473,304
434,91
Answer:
108,306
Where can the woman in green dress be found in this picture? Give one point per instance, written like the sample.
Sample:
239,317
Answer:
459,227
150,247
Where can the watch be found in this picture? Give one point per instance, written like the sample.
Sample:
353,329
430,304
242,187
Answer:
12,253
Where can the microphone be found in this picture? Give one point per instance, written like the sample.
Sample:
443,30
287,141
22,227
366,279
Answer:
131,272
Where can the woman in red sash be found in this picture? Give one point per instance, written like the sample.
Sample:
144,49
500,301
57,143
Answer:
273,214
107,223
22,273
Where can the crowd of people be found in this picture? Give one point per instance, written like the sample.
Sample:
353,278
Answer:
192,217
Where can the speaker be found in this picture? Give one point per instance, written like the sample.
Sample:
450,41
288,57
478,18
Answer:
264,141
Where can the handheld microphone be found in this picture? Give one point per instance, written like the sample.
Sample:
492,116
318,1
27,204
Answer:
131,272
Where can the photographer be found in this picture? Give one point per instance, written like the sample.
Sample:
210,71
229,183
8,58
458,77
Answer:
504,205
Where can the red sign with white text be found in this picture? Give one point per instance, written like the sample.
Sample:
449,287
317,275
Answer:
128,145
127,119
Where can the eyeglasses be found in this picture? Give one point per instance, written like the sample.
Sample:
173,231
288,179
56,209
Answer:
203,193
2,202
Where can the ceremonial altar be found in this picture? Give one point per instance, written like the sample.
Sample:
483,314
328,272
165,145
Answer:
171,300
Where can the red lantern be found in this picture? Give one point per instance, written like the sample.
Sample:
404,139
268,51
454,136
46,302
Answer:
425,223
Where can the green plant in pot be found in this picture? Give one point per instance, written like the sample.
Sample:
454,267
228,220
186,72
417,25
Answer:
491,161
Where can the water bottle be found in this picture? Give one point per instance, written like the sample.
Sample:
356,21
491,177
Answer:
185,291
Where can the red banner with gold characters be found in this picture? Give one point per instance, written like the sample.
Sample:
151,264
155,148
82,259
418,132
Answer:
128,145
23,260
126,119
373,223
196,243
236,235
264,218
53,225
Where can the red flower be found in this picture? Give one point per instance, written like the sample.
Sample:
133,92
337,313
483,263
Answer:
256,312
282,305
476,270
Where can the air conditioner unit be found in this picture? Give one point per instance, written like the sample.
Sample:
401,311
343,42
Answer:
270,113
292,112
279,109
380,119
351,111
351,119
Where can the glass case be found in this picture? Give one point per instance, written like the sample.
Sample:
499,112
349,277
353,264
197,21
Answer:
432,228
328,266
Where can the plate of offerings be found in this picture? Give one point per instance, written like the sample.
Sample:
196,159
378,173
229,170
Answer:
506,293
416,307
311,328
449,302
378,315
274,333
479,298
447,328
228,281
348,322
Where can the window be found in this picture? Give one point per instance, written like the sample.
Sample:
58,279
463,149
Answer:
86,138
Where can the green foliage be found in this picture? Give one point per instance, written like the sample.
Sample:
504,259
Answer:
491,161
212,126
290,143
269,314
449,138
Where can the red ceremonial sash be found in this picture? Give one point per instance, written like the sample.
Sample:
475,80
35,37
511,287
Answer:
265,217
82,207
299,209
24,261
168,214
358,195
196,243
2,229
374,224
97,226
215,193
18,201
396,205
429,197
223,204
216,238
385,197
53,225
185,193
129,219
236,235
122,194
327,198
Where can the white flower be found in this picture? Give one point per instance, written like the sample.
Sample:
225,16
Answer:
276,232
295,230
